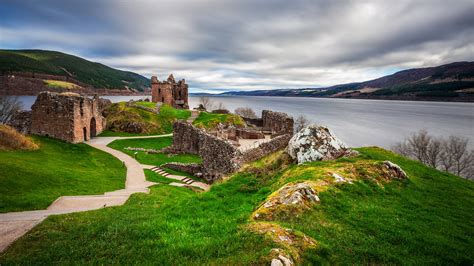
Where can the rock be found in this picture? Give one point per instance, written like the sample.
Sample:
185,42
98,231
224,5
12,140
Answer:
276,262
316,143
394,171
290,199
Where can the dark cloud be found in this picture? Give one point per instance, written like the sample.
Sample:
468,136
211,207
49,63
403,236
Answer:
221,44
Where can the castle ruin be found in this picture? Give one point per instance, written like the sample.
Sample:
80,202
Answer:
170,92
67,116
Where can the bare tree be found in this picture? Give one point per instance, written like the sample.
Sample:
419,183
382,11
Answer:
245,112
419,143
450,155
300,123
8,107
206,103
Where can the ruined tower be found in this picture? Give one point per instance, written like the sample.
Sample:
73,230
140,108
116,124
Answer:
170,92
67,116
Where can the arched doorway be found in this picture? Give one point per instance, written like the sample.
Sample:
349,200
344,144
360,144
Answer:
93,128
84,131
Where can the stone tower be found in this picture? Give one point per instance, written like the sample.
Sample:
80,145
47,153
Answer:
170,92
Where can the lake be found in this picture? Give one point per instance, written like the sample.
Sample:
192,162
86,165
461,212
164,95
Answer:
357,122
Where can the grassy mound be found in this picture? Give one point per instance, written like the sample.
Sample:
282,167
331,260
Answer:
126,119
209,120
427,219
60,84
10,139
34,179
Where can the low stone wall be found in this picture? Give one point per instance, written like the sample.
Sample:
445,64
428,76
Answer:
266,148
245,133
258,122
186,138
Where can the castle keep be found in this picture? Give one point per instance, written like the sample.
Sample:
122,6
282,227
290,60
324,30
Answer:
66,116
170,92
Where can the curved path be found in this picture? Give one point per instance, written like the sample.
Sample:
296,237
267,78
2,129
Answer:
13,225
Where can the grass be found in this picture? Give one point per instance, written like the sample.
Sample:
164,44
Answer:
210,120
60,84
120,116
10,139
152,143
146,104
427,219
32,180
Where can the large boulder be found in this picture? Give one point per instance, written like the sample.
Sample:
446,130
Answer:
316,143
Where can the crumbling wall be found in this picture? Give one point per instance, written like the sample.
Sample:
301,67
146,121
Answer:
266,148
190,168
21,121
276,122
66,116
186,138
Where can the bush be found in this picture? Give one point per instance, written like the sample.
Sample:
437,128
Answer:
10,139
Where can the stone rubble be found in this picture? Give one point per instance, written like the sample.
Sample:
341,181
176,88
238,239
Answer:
394,170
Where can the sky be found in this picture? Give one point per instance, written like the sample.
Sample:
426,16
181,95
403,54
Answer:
223,45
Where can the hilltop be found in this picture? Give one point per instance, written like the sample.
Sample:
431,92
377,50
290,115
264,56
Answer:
42,69
450,82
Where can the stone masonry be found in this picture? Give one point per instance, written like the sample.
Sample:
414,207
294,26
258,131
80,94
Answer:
67,116
170,92
219,156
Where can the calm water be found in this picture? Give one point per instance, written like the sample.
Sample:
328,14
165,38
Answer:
357,122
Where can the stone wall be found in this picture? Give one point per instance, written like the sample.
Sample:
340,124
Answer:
276,122
66,116
219,156
21,121
190,168
266,148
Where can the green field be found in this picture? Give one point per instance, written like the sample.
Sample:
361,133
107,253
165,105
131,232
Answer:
32,180
428,219
210,120
156,144
56,63
60,84
119,115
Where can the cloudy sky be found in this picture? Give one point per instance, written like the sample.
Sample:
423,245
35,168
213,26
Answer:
223,45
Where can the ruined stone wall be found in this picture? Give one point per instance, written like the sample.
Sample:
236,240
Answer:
190,168
21,121
266,148
170,92
186,138
278,123
66,116
258,122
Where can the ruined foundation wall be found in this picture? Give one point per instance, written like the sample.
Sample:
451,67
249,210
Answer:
278,123
266,148
186,138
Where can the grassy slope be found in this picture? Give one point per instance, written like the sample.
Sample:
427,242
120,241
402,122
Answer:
210,120
427,219
162,123
51,62
34,179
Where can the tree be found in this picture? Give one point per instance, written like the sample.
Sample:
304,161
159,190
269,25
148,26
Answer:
450,155
246,112
8,107
300,123
220,106
206,103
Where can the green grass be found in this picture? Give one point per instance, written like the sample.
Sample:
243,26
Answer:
427,219
210,120
146,104
56,63
152,143
119,115
34,179
60,84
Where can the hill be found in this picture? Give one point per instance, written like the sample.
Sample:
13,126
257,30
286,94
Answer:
450,82
81,72
425,219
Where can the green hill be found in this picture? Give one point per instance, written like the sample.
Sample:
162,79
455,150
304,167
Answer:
56,63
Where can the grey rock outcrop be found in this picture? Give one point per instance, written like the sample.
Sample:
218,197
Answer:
316,143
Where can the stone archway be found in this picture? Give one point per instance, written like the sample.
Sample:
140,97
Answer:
93,128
